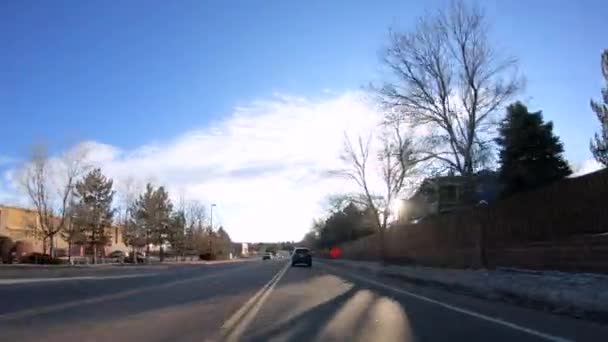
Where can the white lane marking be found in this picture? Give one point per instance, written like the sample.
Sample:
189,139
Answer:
238,315
236,332
56,279
495,320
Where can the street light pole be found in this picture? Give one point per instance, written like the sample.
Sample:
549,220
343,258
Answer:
212,205
211,233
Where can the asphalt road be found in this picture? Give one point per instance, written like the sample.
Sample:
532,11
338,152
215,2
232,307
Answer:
267,301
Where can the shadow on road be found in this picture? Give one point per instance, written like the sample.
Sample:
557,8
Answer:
119,298
321,307
307,323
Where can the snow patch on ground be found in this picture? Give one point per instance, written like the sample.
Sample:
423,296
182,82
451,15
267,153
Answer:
577,294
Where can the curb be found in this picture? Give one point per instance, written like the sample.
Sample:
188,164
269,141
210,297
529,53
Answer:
17,281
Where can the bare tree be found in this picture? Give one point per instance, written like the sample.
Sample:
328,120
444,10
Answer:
195,215
447,78
128,192
599,143
357,161
397,163
49,184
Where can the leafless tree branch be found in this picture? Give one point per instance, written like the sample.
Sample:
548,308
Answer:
49,184
447,77
397,161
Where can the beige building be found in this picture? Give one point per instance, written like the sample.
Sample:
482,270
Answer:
20,224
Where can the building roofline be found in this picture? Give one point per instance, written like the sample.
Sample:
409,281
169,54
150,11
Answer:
10,206
33,211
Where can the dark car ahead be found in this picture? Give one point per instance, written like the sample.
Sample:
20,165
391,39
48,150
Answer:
301,256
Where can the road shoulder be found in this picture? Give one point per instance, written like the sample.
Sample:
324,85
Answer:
542,321
579,295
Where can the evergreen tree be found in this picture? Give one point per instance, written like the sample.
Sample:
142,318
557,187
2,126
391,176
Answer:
72,231
530,154
348,224
177,232
224,244
93,211
152,213
162,219
133,232
599,144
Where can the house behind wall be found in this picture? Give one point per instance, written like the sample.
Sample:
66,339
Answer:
444,194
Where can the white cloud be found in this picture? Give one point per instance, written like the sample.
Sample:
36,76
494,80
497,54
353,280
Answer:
263,165
587,166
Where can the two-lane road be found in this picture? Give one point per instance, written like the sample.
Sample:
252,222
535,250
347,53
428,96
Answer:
266,301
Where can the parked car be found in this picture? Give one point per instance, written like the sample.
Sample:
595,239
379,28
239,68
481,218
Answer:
139,258
118,255
267,256
301,255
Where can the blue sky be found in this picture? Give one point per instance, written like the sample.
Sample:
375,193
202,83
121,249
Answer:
142,79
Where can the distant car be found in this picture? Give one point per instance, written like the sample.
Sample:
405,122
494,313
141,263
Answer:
301,255
267,256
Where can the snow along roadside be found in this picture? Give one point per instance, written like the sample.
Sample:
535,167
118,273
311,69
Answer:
576,294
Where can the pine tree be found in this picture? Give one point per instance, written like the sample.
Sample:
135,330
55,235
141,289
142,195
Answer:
530,154
224,243
72,232
133,232
599,144
93,211
152,213
177,232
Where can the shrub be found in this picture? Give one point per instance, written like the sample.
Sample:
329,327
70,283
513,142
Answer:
21,249
6,245
206,256
41,259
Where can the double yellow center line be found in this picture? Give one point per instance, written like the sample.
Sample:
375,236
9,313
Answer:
233,328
